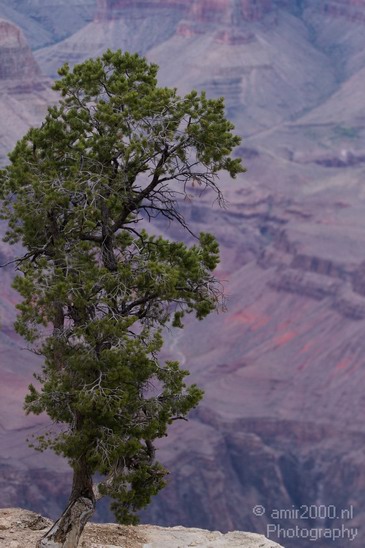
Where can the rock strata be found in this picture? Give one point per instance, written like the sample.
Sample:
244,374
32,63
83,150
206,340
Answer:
283,370
203,10
352,10
230,11
112,9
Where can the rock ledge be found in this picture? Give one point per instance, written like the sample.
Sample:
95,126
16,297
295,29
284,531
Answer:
22,528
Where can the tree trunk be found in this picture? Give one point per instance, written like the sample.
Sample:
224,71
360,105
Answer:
67,530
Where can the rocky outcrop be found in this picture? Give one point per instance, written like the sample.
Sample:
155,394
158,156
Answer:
350,305
315,277
195,15
321,265
229,15
336,159
229,11
311,285
358,280
16,59
22,528
24,92
319,287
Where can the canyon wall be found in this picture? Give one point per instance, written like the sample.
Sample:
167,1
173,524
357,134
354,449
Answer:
24,92
16,58
281,424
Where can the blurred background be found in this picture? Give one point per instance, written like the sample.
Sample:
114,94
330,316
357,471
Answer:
282,421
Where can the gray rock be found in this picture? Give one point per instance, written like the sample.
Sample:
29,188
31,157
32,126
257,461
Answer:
22,528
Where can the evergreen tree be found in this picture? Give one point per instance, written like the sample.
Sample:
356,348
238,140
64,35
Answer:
98,289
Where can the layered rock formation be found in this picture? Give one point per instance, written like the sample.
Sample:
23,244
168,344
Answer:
204,10
16,59
229,11
133,25
113,9
288,371
281,424
245,63
49,21
230,16
352,10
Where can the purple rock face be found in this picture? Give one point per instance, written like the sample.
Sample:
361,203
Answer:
107,7
16,58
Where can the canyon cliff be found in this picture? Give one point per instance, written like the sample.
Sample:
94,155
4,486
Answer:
16,60
24,91
281,424
48,21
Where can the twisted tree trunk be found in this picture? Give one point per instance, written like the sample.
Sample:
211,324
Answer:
67,530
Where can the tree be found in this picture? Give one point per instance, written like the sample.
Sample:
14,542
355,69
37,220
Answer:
98,289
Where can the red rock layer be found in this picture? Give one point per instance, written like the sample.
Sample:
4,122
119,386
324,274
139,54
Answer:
16,59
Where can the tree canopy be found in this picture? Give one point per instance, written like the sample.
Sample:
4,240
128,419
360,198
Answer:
98,287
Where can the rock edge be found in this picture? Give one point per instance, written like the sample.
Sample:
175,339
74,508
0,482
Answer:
22,528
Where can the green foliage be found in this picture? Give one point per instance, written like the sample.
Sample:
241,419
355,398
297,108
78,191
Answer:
98,290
